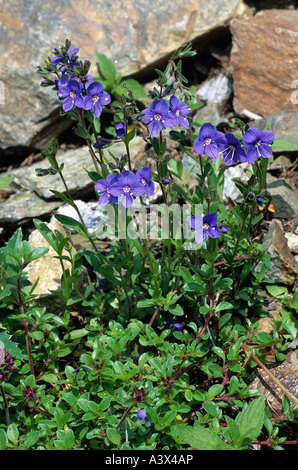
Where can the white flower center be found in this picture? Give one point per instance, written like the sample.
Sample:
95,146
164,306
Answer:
157,117
126,189
95,98
144,181
205,226
207,141
177,112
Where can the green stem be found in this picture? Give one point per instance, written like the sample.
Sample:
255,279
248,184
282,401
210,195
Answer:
78,212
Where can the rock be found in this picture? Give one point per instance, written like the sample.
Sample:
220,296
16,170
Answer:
283,269
24,206
31,194
215,94
215,90
230,190
90,212
286,373
285,125
292,242
284,198
136,35
264,61
47,269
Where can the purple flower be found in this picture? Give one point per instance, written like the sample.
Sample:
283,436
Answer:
178,326
165,180
96,98
120,129
71,55
144,177
232,150
126,187
70,91
208,141
141,414
179,111
102,186
158,116
258,143
102,143
204,227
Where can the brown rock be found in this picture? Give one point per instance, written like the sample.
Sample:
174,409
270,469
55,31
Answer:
286,373
134,34
265,61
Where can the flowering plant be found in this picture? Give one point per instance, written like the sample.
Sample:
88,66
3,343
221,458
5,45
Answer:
162,359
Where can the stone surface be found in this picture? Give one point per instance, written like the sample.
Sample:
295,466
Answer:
31,194
135,35
286,373
264,61
47,269
283,269
284,198
285,124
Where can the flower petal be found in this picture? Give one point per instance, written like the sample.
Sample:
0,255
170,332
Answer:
251,136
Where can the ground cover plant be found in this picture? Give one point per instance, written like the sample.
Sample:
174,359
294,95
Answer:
164,359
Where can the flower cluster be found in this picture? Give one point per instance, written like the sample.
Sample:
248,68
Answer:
161,115
214,143
125,186
75,86
6,364
206,227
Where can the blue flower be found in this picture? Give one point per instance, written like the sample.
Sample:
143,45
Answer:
144,177
158,116
70,91
141,414
96,98
175,324
205,226
258,143
209,141
180,111
120,129
126,188
70,56
102,186
232,150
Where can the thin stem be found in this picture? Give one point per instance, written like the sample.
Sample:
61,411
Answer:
78,212
27,337
5,405
257,360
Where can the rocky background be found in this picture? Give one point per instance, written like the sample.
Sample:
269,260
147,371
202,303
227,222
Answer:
246,66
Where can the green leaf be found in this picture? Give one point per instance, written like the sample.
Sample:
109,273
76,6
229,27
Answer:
248,424
113,436
63,197
106,67
71,223
3,440
134,86
12,433
5,181
46,233
283,145
176,310
10,346
199,437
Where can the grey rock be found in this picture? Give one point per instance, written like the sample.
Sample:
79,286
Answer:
285,125
283,269
215,90
135,35
284,198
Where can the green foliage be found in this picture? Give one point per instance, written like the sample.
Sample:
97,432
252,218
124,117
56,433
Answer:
113,82
163,329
